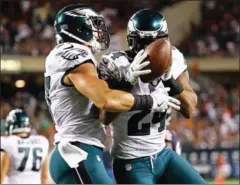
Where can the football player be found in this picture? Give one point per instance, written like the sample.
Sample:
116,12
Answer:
74,92
24,157
139,149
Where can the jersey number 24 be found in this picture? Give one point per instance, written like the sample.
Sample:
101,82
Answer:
134,122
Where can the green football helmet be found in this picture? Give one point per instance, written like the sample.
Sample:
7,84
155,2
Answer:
17,121
144,27
80,23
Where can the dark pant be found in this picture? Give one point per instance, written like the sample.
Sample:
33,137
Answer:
164,167
90,171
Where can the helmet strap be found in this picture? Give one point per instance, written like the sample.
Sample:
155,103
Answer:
94,46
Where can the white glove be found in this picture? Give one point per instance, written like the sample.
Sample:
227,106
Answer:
161,100
134,70
108,69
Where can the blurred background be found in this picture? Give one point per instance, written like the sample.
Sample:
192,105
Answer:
207,32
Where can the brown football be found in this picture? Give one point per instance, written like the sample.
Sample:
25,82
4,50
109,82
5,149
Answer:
160,57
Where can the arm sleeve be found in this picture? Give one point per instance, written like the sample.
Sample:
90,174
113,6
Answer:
179,64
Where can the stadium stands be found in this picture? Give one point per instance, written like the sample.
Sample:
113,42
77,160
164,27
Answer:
26,29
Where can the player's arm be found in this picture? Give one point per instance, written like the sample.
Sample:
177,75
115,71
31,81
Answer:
109,71
5,164
44,171
181,89
107,117
86,81
187,97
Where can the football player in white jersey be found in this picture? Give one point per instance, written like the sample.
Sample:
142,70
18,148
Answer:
74,92
24,157
139,148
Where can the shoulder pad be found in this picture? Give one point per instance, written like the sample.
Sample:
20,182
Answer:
112,65
67,56
179,64
72,51
116,54
118,58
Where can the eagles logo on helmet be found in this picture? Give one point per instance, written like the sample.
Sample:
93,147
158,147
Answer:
144,27
17,121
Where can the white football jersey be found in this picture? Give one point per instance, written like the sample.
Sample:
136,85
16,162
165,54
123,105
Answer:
73,113
140,133
26,158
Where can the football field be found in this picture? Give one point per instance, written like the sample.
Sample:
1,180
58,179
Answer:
227,181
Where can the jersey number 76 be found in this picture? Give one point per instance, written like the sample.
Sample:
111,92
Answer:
36,158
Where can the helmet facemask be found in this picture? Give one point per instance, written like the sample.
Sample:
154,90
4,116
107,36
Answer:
100,28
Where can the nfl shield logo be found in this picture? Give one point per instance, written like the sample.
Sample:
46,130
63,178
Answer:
128,167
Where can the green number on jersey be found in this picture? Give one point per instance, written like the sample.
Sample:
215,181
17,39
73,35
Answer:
37,159
25,158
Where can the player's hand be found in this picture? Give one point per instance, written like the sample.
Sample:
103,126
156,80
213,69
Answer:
161,100
135,69
108,70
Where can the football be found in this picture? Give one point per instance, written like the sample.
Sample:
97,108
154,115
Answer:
160,57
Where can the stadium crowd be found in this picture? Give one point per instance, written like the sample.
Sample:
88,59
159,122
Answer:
218,34
216,120
26,28
27,25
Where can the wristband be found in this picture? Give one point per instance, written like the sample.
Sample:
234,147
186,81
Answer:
175,87
142,102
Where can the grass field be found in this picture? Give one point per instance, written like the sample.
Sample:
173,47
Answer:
228,181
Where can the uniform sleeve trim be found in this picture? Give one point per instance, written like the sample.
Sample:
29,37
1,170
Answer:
182,73
70,69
